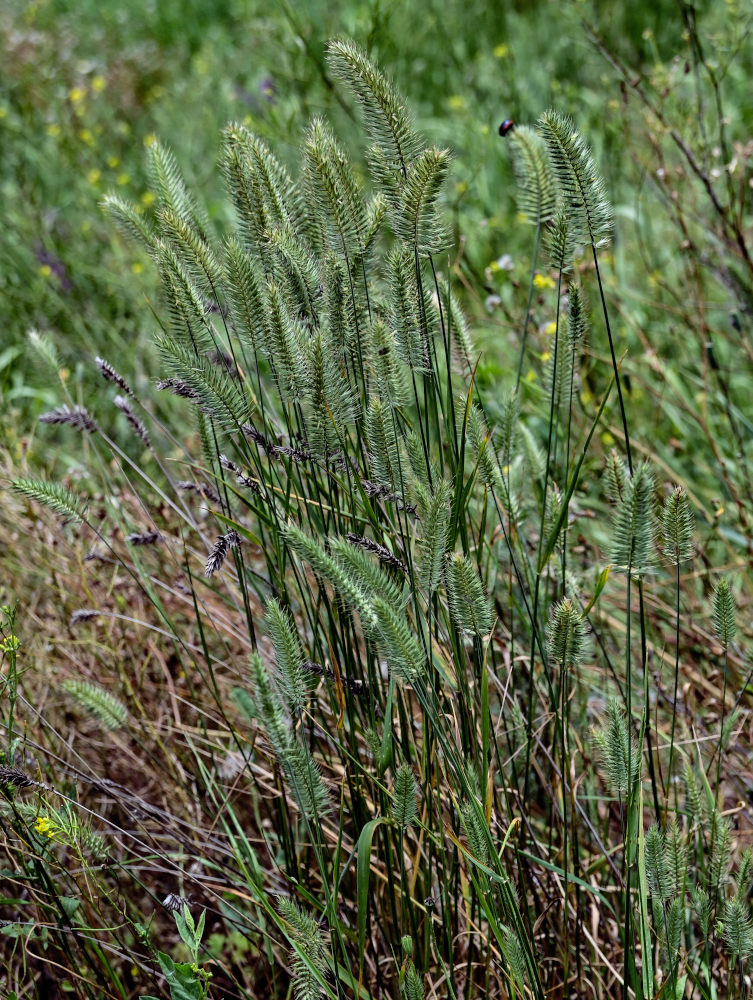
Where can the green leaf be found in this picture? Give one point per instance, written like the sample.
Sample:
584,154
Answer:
362,882
69,905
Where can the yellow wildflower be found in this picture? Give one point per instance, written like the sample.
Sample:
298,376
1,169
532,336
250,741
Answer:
147,198
43,825
461,187
542,281
98,84
45,270
93,176
500,51
85,135
113,161
137,267
122,179
77,94
150,139
53,130
545,356
550,328
457,102
607,439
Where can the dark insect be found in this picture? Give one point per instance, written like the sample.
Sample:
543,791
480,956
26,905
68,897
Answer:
507,126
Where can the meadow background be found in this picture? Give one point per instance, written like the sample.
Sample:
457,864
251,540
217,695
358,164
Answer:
661,93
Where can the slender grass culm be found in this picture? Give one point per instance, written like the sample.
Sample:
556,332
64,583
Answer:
374,587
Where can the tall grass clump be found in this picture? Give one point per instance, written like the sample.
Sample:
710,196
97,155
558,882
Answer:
382,614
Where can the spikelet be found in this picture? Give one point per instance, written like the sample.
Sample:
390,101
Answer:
59,500
137,425
738,928
386,117
76,416
632,546
105,707
657,870
536,190
109,374
289,656
580,183
434,512
220,550
677,524
469,603
724,612
308,959
383,450
619,750
566,634
404,793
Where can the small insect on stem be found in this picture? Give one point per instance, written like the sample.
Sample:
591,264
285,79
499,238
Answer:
507,126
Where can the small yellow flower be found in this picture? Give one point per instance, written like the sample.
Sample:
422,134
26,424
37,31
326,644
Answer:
545,356
77,94
542,281
457,102
613,105
43,825
53,130
122,179
521,218
607,439
586,397
85,135
550,329
65,374
461,187
530,376
93,176
98,84
150,139
484,130
113,161
500,51
137,267
45,270
147,199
